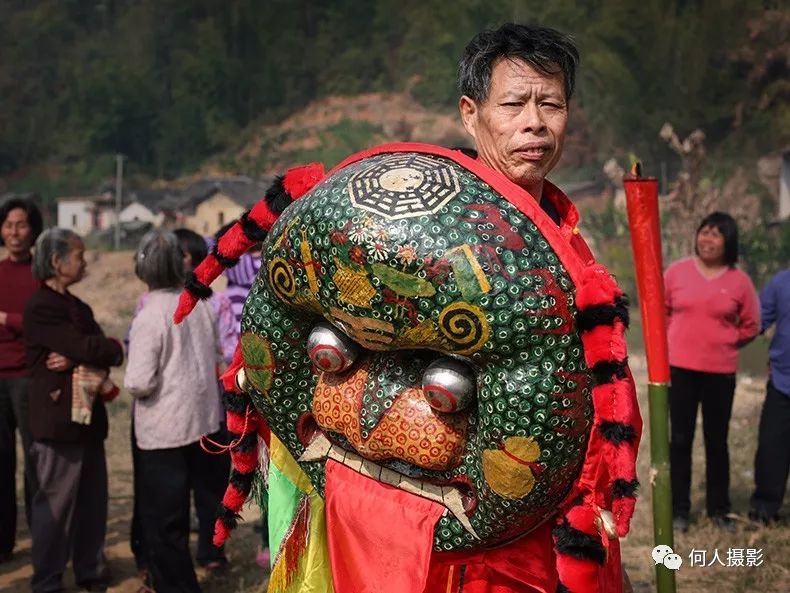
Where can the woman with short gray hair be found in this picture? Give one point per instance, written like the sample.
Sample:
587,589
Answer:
68,421
172,374
53,243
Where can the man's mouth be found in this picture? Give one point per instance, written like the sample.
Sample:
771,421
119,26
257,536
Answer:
532,152
450,496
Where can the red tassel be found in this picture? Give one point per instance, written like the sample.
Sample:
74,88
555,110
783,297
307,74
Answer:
186,302
234,498
263,216
234,242
605,343
221,533
623,510
578,576
245,461
242,424
300,180
597,287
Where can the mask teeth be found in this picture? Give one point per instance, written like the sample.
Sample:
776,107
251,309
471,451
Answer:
321,448
453,502
317,449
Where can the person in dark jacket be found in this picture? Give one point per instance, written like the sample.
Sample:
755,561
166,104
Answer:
68,421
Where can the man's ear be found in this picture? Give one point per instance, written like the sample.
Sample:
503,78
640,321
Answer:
468,109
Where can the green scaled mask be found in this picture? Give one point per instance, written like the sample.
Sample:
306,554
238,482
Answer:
412,323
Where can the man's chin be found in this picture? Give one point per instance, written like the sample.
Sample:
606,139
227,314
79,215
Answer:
531,181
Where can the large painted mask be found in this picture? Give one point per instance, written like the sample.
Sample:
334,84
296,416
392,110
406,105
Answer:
412,323
422,321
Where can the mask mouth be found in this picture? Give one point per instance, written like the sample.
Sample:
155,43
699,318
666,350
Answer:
457,495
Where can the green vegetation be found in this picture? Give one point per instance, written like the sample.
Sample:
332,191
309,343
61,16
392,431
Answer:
169,83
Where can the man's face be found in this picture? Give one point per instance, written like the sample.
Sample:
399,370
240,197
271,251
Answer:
520,128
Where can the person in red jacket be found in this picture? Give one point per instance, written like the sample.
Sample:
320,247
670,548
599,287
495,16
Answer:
68,420
713,311
20,226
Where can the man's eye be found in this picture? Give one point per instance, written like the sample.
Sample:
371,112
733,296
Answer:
331,350
512,104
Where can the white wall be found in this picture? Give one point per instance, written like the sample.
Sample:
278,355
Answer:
76,215
136,211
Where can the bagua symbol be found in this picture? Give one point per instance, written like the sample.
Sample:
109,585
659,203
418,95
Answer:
663,554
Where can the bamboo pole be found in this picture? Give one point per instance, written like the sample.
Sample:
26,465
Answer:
643,221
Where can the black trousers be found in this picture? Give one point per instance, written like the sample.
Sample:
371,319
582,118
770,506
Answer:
166,477
69,514
772,462
13,417
715,392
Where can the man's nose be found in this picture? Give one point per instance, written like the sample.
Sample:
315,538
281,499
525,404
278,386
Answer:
532,118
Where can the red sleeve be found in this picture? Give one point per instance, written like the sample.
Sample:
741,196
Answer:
13,321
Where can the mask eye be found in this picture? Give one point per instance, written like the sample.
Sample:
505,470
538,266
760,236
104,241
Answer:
449,385
330,349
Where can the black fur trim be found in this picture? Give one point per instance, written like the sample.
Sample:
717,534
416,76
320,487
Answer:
228,517
277,197
247,442
242,482
196,287
577,544
617,432
235,402
608,372
596,315
225,262
562,588
251,229
622,488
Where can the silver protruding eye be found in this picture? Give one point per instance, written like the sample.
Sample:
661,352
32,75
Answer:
449,385
330,349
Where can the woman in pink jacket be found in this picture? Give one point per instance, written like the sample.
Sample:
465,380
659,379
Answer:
713,310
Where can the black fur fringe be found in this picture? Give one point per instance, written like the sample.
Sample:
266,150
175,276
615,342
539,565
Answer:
617,432
577,544
196,287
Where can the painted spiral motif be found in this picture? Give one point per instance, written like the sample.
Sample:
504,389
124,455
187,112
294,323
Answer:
281,278
464,326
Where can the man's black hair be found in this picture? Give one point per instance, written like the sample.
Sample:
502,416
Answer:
727,226
32,211
543,48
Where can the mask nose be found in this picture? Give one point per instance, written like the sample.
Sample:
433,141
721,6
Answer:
380,407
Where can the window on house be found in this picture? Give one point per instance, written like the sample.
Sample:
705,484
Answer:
73,220
221,218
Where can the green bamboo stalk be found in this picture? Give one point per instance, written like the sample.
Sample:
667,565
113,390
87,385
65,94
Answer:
658,398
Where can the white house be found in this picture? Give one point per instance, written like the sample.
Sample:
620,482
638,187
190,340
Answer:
85,214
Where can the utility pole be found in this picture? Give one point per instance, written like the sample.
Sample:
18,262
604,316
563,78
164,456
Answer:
118,192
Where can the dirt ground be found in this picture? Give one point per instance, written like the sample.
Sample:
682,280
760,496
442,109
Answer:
111,290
